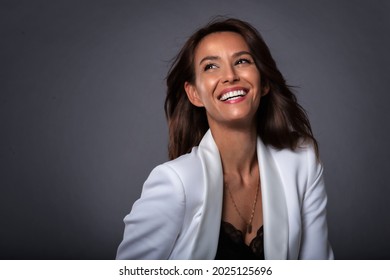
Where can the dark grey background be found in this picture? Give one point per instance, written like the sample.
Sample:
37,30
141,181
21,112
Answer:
82,123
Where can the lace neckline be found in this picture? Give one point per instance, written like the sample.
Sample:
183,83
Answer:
237,236
231,244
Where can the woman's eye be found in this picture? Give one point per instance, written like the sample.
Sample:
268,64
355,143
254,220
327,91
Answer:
243,61
209,66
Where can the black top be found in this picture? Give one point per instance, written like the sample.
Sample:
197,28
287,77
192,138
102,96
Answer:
231,245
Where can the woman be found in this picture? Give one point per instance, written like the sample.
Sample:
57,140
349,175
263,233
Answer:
244,180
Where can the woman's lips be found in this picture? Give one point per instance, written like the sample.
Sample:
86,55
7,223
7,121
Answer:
232,94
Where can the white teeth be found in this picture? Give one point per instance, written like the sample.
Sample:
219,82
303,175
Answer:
232,94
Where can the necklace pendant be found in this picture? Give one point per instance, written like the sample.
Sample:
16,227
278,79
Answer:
249,228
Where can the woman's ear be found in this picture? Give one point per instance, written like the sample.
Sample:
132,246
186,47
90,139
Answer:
193,95
265,89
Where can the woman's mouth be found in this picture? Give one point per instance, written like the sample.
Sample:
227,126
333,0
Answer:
232,95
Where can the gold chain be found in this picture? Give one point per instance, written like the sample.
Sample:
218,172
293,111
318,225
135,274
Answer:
249,224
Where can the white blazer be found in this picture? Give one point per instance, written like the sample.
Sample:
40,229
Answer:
178,215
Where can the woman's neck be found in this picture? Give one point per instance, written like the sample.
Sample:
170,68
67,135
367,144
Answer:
237,148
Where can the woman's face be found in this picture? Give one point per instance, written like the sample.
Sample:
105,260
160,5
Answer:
227,81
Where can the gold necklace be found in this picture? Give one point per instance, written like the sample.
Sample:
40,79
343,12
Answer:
249,223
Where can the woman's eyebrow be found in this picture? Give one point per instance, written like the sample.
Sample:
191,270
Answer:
214,57
241,53
209,57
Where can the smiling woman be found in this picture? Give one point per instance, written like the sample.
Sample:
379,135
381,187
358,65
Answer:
243,157
227,81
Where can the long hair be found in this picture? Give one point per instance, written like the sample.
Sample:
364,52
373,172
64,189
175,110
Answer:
281,121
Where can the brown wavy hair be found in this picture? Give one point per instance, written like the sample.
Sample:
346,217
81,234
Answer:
282,122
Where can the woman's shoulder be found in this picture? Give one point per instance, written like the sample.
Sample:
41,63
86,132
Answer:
192,167
186,167
305,151
190,158
299,167
302,159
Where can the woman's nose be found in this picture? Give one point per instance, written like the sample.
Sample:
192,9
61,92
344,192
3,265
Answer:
230,75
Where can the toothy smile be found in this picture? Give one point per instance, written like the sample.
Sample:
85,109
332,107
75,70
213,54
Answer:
231,95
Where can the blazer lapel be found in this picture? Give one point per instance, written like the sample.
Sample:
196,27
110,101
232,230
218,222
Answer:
275,217
206,239
274,203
